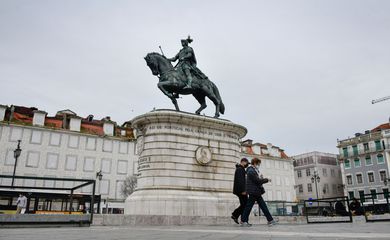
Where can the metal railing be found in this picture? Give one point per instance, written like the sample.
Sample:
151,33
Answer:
282,208
375,206
327,210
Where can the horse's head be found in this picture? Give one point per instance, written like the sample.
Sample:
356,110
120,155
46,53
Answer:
157,63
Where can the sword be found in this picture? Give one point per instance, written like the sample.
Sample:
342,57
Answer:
161,51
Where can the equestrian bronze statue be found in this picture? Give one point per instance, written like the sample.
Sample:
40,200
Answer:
185,78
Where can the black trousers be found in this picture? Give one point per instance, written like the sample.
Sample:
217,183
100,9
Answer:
262,206
243,200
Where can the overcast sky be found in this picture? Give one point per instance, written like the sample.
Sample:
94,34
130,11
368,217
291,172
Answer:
297,74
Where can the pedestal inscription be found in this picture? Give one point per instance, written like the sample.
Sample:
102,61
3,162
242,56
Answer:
186,164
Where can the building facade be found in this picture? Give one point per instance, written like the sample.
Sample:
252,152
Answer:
317,173
67,146
365,162
277,166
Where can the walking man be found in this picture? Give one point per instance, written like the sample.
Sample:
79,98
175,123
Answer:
254,187
239,188
21,204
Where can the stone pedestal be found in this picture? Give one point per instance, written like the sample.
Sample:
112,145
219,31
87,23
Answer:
186,165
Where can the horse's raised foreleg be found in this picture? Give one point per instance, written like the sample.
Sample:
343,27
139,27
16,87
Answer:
202,101
161,87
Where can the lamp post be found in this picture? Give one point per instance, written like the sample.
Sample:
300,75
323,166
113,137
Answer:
99,175
314,179
17,153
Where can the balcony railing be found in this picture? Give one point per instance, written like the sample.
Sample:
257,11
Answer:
364,152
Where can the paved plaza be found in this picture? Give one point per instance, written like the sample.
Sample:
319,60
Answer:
378,230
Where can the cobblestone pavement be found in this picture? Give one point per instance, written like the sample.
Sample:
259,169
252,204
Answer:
379,230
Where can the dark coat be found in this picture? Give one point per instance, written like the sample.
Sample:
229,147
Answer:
239,185
254,184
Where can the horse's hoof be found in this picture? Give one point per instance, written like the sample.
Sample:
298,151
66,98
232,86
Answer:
216,115
197,113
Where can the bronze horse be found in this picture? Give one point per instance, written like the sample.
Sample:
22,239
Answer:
172,82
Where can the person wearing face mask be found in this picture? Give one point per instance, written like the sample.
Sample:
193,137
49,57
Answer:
239,188
255,189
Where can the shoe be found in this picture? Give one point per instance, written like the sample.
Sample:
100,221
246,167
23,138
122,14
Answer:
246,224
272,223
235,219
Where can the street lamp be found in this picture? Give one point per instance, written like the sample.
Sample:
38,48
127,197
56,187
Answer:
314,179
99,175
17,153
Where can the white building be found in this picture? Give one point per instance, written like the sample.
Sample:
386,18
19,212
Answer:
277,166
329,178
67,146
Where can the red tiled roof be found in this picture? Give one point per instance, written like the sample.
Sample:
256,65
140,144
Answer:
24,115
383,126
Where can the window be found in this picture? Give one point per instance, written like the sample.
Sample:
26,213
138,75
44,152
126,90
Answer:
368,161
359,178
308,172
378,146
299,173
269,195
91,143
309,187
361,196
334,188
89,164
278,182
106,166
36,137
356,162
104,186
118,193
73,141
382,174
366,147
370,177
52,161
9,158
332,173
385,192
71,162
325,172
286,181
347,164
32,159
279,195
107,146
277,164
326,188
55,139
122,167
380,158
123,147
300,188
16,134
351,195
355,150
349,180
345,152
373,193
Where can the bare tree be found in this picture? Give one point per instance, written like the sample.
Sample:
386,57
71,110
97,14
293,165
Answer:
128,186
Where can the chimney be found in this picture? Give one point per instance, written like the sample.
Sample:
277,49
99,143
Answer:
75,123
3,108
39,118
108,126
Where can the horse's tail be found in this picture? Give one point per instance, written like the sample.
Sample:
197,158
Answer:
216,92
